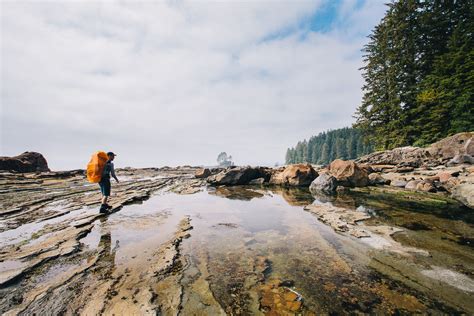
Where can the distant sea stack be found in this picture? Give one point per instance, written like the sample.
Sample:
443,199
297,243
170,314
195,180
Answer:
28,161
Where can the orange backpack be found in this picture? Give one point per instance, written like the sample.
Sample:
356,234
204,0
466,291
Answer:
95,167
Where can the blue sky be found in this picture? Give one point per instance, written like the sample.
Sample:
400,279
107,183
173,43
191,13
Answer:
170,83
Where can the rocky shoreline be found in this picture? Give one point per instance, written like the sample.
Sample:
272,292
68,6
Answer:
57,252
445,168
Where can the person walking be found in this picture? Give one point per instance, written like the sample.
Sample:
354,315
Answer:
104,183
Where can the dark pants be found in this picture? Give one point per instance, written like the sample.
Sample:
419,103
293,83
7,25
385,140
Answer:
105,186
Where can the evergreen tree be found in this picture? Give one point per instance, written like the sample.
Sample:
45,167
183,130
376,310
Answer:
327,146
418,74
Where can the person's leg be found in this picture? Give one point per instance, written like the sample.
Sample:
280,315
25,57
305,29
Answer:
103,190
107,187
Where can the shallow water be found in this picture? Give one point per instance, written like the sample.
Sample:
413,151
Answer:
251,247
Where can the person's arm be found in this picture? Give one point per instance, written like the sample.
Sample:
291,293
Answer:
112,172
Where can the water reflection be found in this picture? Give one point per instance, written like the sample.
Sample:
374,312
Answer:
106,254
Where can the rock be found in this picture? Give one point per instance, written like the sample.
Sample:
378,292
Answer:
409,156
237,175
348,173
202,173
324,183
469,147
257,181
404,169
436,154
382,168
464,193
449,184
294,175
26,162
444,176
398,183
459,159
425,186
411,185
451,146
341,189
376,178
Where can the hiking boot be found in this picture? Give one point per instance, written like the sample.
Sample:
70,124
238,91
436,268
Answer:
103,209
107,206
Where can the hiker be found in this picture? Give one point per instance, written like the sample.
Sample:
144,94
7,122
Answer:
105,181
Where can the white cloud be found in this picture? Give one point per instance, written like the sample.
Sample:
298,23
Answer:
174,83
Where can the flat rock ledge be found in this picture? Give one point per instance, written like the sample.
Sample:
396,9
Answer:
350,222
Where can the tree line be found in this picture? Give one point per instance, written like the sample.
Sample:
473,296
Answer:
344,143
419,74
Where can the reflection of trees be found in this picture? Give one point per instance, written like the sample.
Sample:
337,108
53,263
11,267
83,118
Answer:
293,195
236,193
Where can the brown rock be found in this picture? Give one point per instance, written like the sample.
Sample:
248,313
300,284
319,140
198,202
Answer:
26,162
202,173
295,175
450,184
444,176
425,186
348,173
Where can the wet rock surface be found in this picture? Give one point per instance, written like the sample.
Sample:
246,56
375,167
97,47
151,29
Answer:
173,245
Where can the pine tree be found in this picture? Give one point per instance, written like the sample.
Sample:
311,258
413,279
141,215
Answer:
418,74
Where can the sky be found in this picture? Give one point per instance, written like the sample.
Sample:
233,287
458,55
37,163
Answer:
177,82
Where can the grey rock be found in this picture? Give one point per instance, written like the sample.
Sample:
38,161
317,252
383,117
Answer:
238,175
257,181
411,185
459,159
376,178
324,183
398,183
464,193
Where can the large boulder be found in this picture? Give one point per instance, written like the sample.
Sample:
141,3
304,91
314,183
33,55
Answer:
436,154
348,173
451,146
26,162
294,175
325,183
406,156
238,175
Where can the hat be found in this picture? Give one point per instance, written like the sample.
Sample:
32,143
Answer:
111,154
